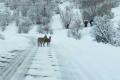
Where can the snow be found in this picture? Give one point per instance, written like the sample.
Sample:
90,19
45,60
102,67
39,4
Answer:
44,66
58,24
33,31
85,59
71,59
77,14
12,39
116,19
11,29
3,8
64,5
11,46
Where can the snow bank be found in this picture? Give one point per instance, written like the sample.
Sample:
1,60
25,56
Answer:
85,59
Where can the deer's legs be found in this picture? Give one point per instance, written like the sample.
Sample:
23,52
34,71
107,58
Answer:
41,44
47,44
44,44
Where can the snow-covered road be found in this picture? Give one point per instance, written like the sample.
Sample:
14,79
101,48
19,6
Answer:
32,64
44,66
23,64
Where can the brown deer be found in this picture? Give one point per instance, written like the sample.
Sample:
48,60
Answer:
47,40
42,40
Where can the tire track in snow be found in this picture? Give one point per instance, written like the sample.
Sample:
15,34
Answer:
44,66
23,67
16,67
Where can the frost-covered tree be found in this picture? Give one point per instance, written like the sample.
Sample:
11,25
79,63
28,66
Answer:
13,4
75,30
93,8
66,17
35,13
102,30
38,11
24,25
45,17
75,26
5,19
41,11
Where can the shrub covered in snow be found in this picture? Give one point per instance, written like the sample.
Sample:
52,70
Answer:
102,30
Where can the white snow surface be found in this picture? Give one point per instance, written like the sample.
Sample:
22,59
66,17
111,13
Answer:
85,59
